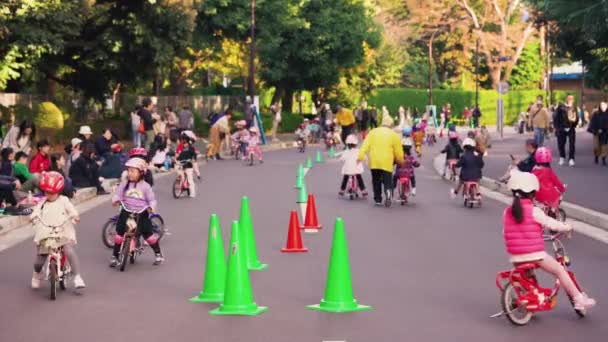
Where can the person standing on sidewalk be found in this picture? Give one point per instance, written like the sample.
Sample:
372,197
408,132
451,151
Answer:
346,120
275,109
383,145
476,115
598,126
566,120
145,114
539,119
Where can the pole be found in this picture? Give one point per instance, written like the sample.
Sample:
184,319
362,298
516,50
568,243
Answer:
477,74
583,94
431,68
252,54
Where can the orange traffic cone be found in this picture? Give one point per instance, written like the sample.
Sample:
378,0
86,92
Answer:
311,222
294,238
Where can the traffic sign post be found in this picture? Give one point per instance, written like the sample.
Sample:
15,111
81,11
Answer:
503,88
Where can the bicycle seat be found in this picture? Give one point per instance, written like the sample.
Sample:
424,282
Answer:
526,266
471,183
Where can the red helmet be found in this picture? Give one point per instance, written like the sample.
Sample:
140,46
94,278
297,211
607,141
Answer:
51,182
543,155
138,151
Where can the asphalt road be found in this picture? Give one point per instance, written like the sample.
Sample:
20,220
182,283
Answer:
427,269
587,182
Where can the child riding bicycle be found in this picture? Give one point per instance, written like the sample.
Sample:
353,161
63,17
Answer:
186,160
550,187
407,168
351,166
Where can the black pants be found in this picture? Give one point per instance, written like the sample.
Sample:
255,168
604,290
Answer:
359,180
143,224
379,178
475,121
346,131
562,136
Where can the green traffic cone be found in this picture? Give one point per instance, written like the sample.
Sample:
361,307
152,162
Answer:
215,269
299,182
300,177
308,163
238,299
300,171
248,237
338,290
332,153
303,195
319,157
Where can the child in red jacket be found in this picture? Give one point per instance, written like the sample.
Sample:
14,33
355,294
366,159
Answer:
41,161
551,188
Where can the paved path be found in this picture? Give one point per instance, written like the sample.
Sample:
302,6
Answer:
587,182
428,269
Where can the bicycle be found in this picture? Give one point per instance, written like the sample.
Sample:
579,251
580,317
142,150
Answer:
108,230
301,143
452,167
521,294
131,246
58,269
352,187
471,194
181,185
403,186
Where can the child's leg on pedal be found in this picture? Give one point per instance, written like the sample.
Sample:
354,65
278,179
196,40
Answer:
550,265
39,262
121,228
258,152
190,177
344,182
413,181
460,184
360,181
197,170
70,254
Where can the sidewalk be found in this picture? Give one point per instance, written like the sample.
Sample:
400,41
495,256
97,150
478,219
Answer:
587,182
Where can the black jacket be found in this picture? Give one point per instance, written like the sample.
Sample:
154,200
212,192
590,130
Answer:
561,121
103,146
452,151
84,173
146,117
527,164
470,166
599,126
6,168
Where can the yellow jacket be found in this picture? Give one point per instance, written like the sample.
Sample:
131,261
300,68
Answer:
384,148
345,117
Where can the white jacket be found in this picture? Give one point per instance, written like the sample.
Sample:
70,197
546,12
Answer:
351,166
54,220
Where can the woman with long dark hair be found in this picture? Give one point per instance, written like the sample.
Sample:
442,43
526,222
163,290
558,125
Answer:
20,138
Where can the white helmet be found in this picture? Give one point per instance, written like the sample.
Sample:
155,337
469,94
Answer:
137,163
524,181
469,142
352,139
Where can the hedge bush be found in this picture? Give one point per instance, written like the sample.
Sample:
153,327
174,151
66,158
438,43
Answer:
515,101
49,116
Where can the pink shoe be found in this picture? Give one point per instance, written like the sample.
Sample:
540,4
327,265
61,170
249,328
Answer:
583,302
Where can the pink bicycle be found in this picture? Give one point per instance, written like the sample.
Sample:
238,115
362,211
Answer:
471,194
403,186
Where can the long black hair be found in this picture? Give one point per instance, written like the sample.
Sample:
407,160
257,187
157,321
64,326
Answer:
25,124
516,209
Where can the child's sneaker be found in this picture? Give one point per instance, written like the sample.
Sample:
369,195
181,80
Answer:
453,194
114,261
159,259
78,282
341,193
36,277
413,191
582,302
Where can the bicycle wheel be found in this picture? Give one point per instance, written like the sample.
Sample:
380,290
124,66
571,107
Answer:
64,273
177,188
158,225
108,232
517,315
124,253
53,278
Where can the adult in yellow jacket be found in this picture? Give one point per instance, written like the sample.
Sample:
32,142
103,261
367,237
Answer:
383,146
346,119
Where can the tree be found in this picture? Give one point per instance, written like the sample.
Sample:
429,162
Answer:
528,71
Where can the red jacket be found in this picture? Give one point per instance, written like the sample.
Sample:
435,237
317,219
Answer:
551,188
40,163
525,237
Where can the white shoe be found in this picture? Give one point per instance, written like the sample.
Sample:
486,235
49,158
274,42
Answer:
78,282
561,161
413,191
36,277
571,162
452,194
583,302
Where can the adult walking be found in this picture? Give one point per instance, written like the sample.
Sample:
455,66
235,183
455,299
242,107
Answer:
346,120
20,138
145,115
539,120
598,126
364,124
219,126
275,109
172,122
566,120
383,147
476,115
248,112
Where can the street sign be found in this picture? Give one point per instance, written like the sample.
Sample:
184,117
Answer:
503,87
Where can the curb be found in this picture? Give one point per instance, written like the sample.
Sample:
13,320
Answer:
588,216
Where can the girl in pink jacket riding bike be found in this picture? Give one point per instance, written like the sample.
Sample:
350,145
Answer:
550,187
523,234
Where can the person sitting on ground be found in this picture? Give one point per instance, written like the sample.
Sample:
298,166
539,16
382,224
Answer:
85,171
351,167
453,151
8,186
113,163
408,166
58,165
470,165
41,161
85,134
103,144
6,163
73,151
159,152
29,181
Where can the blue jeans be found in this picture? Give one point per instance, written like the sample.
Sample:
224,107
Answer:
136,138
539,136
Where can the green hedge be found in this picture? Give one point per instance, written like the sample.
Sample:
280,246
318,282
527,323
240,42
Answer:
515,101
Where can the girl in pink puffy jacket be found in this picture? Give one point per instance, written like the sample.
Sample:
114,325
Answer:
551,188
523,234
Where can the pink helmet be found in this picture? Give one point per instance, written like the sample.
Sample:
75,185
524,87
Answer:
51,182
543,155
137,163
138,151
453,135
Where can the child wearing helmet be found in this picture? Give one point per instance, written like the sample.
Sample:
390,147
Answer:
253,143
189,137
523,234
452,151
135,195
139,152
407,168
551,188
186,158
239,138
351,167
54,218
418,136
302,133
470,165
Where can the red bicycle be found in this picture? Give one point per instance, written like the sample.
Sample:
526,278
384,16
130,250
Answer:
403,186
58,270
181,186
452,167
352,187
521,294
471,194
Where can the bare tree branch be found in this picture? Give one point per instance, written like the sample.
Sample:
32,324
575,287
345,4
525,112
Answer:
471,13
498,11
